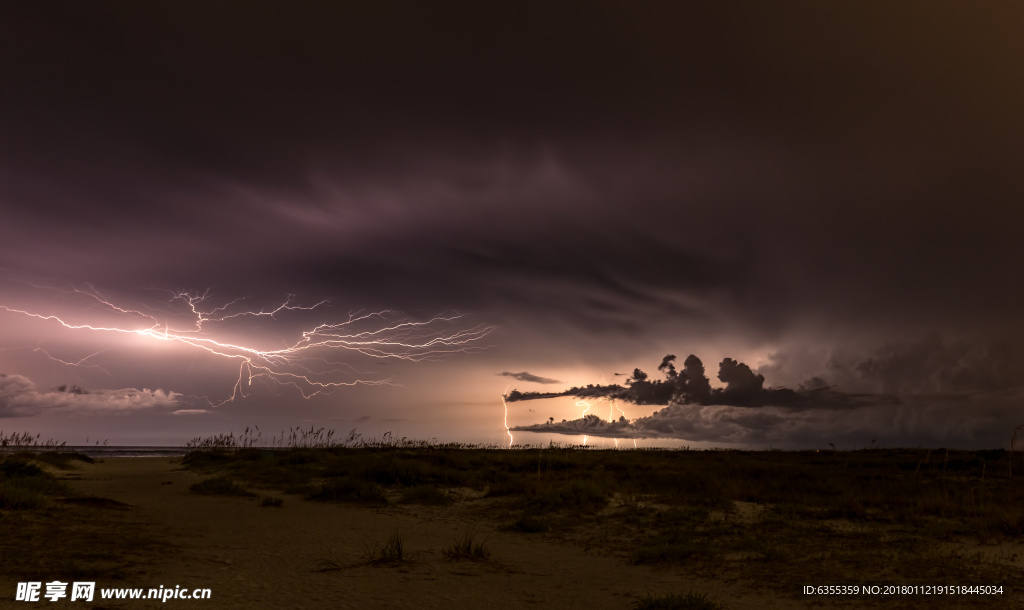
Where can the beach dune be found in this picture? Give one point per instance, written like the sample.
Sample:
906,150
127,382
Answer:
313,555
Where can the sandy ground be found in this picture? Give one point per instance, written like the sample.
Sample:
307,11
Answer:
258,557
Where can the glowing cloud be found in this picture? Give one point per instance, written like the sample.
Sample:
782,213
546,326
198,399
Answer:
20,397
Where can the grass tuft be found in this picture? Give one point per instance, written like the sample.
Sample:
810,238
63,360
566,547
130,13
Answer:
326,565
466,547
392,551
675,601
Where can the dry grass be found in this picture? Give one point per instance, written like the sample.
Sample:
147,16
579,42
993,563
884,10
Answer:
689,601
466,548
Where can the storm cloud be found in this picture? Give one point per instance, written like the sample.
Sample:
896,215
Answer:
743,388
524,376
929,391
601,183
937,421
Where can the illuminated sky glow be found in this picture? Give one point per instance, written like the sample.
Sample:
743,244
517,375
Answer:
312,363
826,193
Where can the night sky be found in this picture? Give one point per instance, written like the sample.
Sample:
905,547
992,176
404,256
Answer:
828,194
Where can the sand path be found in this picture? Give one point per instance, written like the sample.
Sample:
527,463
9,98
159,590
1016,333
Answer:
258,557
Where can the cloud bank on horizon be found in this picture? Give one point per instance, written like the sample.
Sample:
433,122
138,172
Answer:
931,391
21,397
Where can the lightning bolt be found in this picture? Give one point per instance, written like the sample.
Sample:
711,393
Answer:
504,404
309,363
583,403
612,405
81,362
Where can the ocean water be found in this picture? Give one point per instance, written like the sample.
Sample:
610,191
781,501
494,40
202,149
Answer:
99,451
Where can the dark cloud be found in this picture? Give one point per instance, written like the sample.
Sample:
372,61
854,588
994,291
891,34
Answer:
743,388
933,365
524,376
595,177
739,379
666,163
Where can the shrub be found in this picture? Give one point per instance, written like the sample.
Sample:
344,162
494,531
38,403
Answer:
271,501
674,547
19,468
425,494
14,497
349,490
62,459
530,525
220,486
579,495
29,477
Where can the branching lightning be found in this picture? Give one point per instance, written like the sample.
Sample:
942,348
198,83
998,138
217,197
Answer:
309,363
81,362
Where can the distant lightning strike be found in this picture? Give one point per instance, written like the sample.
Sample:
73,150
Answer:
583,415
504,404
611,406
379,335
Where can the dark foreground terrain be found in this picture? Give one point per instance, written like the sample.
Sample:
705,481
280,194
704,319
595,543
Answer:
407,524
